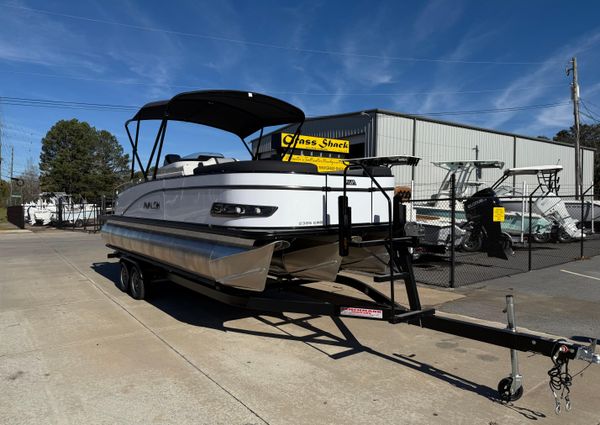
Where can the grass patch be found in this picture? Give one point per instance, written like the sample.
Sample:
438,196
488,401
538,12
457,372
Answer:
3,218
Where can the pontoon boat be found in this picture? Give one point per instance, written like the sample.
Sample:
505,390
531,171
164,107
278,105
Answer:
236,222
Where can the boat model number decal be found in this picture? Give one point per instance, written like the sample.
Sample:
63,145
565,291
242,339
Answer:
153,205
361,312
311,223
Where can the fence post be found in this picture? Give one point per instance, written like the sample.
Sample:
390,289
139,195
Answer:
582,227
452,228
60,213
529,236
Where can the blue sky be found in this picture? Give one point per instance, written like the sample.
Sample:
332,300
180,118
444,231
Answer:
326,57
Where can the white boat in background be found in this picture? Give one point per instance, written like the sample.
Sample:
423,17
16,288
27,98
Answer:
545,200
586,212
52,207
237,222
437,212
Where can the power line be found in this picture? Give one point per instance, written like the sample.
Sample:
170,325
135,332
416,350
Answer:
592,103
62,104
50,103
495,110
591,114
275,92
270,45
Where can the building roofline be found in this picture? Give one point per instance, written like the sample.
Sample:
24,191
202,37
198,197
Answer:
450,123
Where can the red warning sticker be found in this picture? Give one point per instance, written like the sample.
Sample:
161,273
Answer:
361,312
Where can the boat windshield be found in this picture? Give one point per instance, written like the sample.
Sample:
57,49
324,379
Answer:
201,156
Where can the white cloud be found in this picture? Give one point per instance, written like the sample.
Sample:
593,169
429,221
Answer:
32,38
531,87
435,17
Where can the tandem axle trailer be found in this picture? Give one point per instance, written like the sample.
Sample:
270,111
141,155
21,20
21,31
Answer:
293,295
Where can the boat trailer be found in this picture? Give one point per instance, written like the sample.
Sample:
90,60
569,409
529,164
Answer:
294,295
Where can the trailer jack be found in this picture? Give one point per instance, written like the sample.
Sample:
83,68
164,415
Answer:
511,387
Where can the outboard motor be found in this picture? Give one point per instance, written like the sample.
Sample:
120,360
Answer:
479,210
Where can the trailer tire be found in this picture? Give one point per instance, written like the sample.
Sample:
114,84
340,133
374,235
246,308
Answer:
563,236
472,242
542,237
124,277
137,285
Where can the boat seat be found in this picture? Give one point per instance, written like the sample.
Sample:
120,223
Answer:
171,158
264,166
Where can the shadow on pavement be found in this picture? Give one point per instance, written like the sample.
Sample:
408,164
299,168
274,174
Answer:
196,310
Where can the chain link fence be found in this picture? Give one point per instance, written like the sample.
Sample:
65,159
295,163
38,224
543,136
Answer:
537,231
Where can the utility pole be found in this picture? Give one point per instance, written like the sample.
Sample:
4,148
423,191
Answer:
575,98
12,161
0,151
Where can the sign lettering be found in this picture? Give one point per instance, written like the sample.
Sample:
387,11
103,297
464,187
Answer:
314,143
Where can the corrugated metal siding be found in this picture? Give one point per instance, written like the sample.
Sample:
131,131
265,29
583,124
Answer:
439,142
533,152
351,127
588,169
394,137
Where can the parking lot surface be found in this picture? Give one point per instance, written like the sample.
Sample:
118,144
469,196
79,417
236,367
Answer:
74,349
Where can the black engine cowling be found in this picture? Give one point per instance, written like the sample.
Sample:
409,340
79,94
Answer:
479,211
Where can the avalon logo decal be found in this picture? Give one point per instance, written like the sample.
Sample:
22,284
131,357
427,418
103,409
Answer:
154,205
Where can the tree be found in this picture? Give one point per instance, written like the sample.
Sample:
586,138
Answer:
589,135
79,159
4,193
29,188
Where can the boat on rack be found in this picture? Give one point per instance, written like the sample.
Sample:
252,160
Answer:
438,208
545,199
237,222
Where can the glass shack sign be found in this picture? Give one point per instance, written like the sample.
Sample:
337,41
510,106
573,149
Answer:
326,153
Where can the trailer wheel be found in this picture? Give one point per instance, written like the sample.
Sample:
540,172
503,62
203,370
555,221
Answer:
137,287
124,277
563,236
504,390
78,223
472,242
542,237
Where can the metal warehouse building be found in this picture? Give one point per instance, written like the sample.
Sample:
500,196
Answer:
379,132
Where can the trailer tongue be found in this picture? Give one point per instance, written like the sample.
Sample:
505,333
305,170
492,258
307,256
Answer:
293,295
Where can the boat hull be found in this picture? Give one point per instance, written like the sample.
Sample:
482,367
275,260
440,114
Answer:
228,262
298,239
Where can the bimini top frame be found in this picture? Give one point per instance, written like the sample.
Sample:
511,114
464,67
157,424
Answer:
463,171
237,112
547,176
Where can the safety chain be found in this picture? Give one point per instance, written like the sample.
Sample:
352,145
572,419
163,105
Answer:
560,379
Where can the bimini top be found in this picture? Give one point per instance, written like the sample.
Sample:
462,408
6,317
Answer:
240,113
477,163
533,170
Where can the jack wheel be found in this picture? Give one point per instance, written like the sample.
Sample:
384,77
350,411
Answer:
504,392
124,277
137,287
